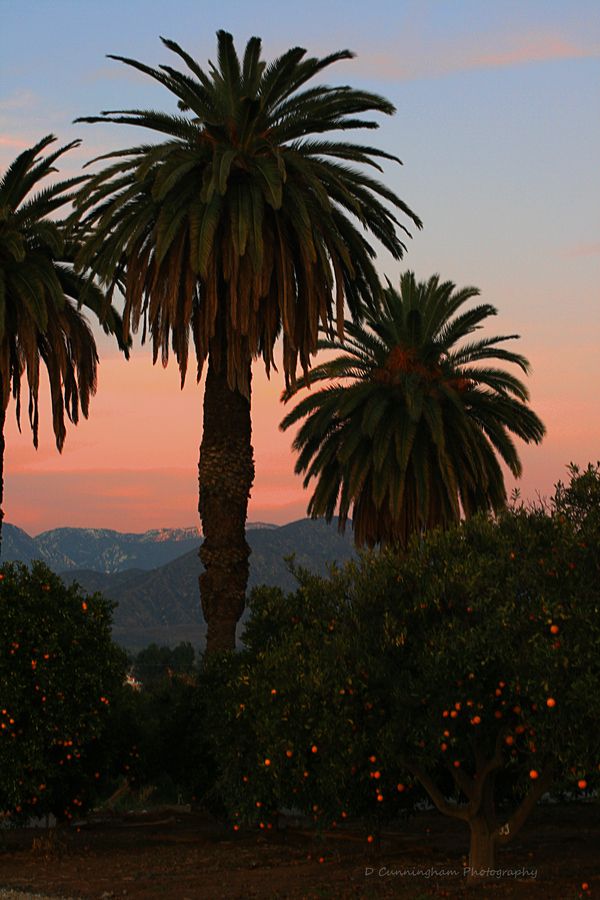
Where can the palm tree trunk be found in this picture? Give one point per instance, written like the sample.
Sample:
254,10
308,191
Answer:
2,445
226,473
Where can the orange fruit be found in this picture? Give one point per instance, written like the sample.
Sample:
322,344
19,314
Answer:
550,702
582,784
534,774
554,629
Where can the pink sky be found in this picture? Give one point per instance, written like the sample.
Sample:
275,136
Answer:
133,464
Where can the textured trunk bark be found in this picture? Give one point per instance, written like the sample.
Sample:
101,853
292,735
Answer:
482,851
2,421
226,473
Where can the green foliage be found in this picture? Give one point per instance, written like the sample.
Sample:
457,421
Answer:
479,643
59,673
157,740
251,217
154,664
41,295
579,500
158,733
307,696
408,431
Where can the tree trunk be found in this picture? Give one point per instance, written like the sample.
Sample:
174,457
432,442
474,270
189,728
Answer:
482,851
2,445
226,473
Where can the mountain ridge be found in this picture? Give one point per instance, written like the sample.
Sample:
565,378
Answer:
161,603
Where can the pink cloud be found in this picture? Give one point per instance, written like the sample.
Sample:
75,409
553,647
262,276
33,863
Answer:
17,143
534,48
422,59
589,248
18,101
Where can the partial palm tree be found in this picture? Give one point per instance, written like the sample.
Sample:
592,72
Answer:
251,219
41,297
410,430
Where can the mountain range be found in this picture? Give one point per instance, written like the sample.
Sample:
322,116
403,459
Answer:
153,577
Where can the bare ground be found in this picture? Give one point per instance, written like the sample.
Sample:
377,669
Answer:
171,853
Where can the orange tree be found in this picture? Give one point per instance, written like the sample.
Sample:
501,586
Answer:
467,667
59,671
296,720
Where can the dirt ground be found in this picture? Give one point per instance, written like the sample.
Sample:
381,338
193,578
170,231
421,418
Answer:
171,853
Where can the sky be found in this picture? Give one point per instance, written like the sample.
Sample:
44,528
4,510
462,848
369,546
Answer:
498,128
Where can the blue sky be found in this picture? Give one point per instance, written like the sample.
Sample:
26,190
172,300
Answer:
498,127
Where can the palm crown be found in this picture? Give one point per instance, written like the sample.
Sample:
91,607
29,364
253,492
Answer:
244,221
41,295
409,433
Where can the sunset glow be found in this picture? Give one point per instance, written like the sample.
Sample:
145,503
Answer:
498,131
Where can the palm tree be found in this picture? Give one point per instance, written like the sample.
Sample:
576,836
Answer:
408,433
40,296
248,221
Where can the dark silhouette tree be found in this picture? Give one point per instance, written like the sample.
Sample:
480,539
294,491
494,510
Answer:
407,433
248,221
41,295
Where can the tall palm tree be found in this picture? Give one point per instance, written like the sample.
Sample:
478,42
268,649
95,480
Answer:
408,432
248,221
40,299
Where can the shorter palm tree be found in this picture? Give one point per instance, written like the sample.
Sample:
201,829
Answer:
408,433
40,300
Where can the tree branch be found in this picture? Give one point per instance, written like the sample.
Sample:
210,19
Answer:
521,814
462,780
457,812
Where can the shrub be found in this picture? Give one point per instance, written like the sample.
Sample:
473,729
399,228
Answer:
59,671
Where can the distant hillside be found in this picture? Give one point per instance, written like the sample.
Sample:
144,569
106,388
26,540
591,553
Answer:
162,604
17,545
98,548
